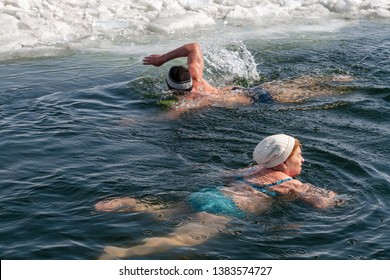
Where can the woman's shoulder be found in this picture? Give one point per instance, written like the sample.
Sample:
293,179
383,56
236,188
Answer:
287,186
296,182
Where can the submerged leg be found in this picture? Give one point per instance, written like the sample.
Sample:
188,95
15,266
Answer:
201,227
126,204
129,204
301,88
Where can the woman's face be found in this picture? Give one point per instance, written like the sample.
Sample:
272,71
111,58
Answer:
294,163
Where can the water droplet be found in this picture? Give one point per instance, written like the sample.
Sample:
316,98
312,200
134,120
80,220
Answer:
175,222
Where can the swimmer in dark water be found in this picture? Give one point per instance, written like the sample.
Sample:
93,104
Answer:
199,93
249,191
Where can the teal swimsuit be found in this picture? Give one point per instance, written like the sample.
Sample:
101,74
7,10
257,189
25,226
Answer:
213,201
264,188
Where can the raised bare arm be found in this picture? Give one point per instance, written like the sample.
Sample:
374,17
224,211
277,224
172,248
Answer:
194,59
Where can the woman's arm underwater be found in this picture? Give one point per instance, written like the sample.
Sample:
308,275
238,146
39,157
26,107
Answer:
316,197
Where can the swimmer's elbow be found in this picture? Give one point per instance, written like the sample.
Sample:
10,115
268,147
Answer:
324,203
193,47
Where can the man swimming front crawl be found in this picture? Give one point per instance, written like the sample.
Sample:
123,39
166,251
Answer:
190,80
199,93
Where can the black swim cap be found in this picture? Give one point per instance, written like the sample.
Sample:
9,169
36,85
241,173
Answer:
179,78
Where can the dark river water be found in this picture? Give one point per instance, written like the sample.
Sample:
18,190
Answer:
82,127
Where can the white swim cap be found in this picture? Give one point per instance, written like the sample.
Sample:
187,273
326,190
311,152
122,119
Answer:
273,150
179,78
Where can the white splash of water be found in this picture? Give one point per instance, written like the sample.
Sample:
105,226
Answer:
227,64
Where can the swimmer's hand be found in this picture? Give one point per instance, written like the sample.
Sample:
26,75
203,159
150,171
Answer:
154,59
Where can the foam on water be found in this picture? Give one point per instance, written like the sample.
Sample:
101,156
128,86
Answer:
228,64
40,27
